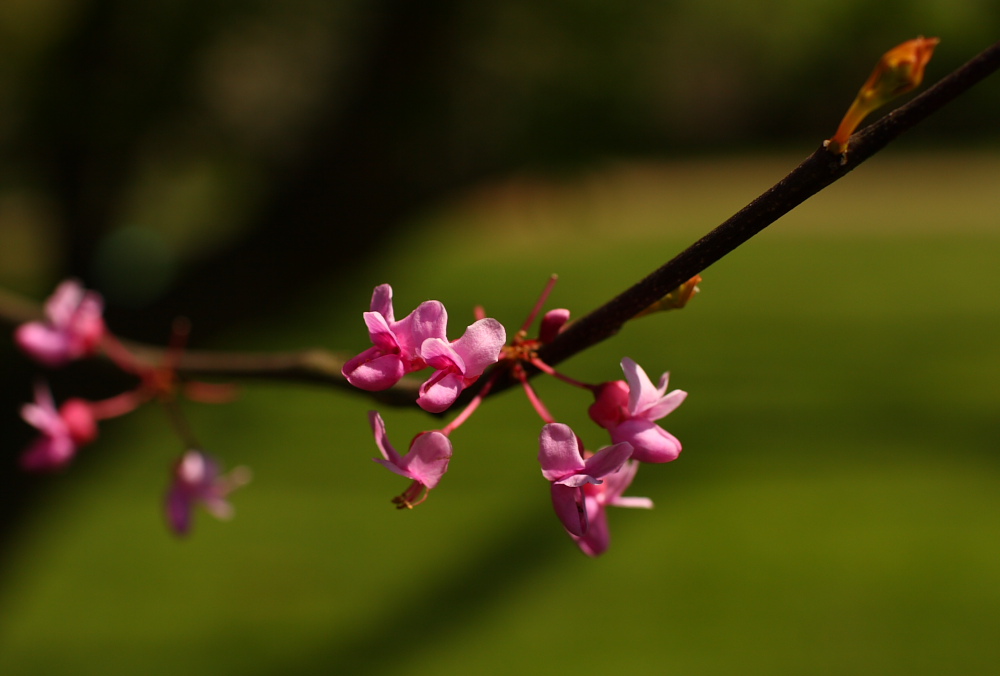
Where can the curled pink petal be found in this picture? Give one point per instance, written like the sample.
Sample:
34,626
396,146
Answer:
373,370
650,442
440,391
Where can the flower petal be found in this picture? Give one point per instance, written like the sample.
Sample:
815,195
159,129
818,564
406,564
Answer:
427,460
570,508
642,393
440,391
372,370
429,320
595,541
382,302
650,442
382,440
480,346
607,460
665,405
560,452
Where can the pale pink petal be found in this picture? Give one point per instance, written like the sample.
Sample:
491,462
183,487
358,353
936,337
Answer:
480,346
642,393
382,439
43,344
441,355
636,503
607,460
382,302
429,320
43,418
379,331
665,405
63,303
560,452
616,483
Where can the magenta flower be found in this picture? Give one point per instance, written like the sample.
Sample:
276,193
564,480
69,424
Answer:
425,463
197,480
561,457
63,430
628,411
459,364
72,328
599,496
396,345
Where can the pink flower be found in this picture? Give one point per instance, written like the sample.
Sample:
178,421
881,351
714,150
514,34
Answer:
628,411
599,496
396,345
197,480
561,457
425,463
459,364
64,430
72,328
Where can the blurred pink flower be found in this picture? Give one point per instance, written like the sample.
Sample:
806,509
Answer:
628,411
599,496
197,480
396,345
561,455
63,430
72,328
459,364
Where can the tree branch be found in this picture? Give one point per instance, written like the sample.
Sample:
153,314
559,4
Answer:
814,174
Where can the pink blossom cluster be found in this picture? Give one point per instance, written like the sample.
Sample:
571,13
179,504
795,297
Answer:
418,341
73,328
582,484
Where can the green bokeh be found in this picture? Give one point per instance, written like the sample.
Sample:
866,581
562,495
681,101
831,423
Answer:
835,509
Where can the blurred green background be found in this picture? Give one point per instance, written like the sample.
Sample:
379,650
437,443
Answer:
259,167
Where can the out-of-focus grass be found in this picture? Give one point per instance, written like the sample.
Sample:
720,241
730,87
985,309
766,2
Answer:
835,510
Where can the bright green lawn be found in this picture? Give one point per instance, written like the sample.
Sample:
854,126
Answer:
836,509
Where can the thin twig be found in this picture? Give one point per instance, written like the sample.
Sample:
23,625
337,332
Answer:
814,174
